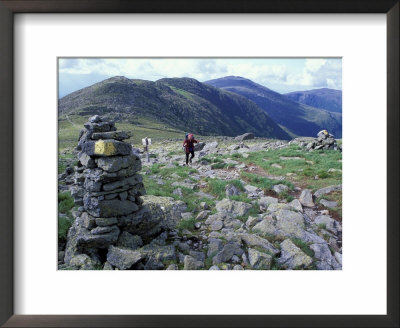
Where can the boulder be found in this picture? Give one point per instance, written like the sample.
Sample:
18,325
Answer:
246,136
296,205
231,248
326,261
116,163
233,208
123,258
108,208
290,224
128,240
280,188
327,203
199,146
266,226
252,240
117,135
327,190
293,257
190,263
306,198
231,190
259,260
210,146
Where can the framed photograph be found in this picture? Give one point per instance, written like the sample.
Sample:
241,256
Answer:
199,164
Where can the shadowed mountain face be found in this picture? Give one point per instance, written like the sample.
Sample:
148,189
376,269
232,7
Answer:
295,118
328,99
180,103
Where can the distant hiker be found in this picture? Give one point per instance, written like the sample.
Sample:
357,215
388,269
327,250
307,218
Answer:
188,144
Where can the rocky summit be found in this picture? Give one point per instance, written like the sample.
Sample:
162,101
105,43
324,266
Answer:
244,203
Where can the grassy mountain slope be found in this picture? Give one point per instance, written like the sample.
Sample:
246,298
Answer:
324,98
295,118
182,104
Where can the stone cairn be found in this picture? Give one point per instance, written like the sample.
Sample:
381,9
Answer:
107,189
324,140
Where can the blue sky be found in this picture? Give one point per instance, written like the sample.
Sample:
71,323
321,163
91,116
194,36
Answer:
279,74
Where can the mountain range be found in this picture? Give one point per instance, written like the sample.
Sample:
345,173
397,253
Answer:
328,99
181,103
295,118
227,106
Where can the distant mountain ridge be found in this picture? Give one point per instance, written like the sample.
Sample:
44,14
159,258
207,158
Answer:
181,103
295,118
324,98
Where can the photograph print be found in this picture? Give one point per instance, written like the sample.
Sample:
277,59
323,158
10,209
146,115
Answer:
200,164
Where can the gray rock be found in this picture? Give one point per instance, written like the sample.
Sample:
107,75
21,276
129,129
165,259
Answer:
238,267
250,189
102,222
128,240
154,264
231,190
108,208
246,136
326,260
190,263
251,222
214,267
202,215
199,146
259,261
116,163
280,188
117,135
327,203
290,224
210,146
266,201
216,225
296,205
266,226
232,207
293,257
123,258
86,160
256,241
86,221
327,221
82,261
204,205
107,266
172,267
231,248
327,190
306,198
214,246
274,207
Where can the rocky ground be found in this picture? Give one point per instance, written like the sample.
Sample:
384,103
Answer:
243,203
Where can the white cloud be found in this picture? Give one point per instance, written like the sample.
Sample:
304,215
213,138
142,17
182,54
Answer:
285,73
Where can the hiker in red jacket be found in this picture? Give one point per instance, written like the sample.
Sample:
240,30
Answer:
189,147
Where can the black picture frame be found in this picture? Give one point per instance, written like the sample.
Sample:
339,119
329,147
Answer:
10,7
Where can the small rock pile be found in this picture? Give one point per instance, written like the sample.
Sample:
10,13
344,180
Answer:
107,189
324,140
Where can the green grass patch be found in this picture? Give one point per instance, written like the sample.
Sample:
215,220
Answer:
303,246
187,224
64,223
65,202
217,187
263,182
